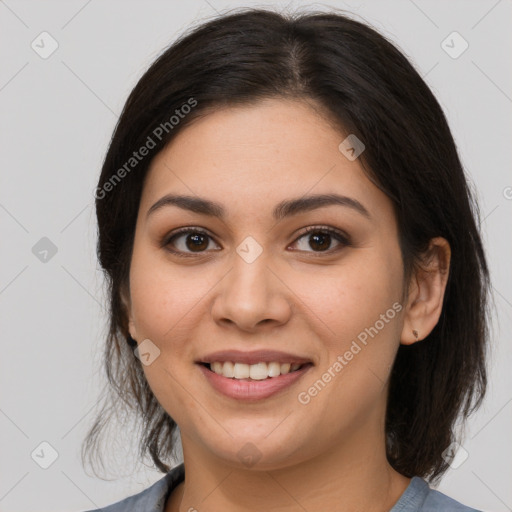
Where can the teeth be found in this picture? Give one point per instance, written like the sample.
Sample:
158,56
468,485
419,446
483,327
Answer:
241,371
216,367
274,369
285,368
228,369
259,371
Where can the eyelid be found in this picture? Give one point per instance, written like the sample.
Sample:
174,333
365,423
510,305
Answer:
326,229
339,235
181,231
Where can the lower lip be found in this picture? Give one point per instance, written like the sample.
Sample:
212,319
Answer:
252,390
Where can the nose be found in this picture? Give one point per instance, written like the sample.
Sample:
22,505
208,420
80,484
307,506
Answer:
252,295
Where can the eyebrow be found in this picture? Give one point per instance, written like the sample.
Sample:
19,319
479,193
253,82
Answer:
283,209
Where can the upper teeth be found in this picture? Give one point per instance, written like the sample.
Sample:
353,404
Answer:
259,371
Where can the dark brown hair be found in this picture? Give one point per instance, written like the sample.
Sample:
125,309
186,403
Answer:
363,83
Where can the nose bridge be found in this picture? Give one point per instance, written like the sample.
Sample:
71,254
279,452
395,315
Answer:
251,293
248,284
250,272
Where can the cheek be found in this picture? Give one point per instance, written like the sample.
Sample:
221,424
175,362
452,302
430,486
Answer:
164,298
345,300
357,314
165,305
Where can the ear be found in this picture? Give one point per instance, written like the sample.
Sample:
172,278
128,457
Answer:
426,292
125,299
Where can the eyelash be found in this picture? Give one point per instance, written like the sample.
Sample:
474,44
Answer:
338,235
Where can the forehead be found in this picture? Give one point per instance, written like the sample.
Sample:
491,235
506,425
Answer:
252,157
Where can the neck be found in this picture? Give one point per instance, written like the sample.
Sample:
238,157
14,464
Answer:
354,475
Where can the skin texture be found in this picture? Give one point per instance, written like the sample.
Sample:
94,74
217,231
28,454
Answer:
328,454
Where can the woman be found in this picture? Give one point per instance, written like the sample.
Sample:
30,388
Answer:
296,276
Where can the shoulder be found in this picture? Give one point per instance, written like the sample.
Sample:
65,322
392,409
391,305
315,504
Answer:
419,497
151,499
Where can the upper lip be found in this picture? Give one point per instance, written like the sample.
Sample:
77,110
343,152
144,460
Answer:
253,357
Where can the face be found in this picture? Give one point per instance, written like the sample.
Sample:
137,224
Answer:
256,281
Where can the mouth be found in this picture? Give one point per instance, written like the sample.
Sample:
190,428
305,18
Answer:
252,382
252,372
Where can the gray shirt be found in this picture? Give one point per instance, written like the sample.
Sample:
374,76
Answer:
418,497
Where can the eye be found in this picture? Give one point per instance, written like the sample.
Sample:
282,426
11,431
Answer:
188,241
320,239
196,241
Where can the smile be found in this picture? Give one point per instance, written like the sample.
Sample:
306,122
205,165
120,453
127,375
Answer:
259,371
252,382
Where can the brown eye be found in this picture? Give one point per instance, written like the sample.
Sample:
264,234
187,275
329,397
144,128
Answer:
196,241
320,239
188,241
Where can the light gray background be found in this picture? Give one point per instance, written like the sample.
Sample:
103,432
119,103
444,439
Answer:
57,117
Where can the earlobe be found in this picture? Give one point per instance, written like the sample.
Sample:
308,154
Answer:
131,328
127,305
426,292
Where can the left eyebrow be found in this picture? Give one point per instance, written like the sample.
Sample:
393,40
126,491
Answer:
283,209
308,203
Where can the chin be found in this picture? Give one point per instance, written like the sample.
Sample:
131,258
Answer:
259,453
